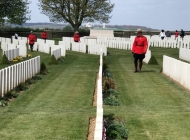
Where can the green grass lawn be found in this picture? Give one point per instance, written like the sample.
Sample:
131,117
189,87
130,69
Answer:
59,106
153,106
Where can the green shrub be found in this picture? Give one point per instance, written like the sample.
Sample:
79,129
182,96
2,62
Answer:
107,73
21,87
10,94
3,103
153,61
15,94
37,77
53,61
110,92
105,63
30,81
111,100
116,130
43,68
4,60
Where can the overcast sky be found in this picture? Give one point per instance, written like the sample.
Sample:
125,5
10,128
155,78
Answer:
157,14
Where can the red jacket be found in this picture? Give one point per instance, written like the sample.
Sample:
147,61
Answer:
176,34
44,35
140,45
32,38
76,37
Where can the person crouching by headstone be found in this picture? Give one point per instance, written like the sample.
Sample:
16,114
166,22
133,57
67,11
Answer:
44,35
76,37
32,39
139,49
16,36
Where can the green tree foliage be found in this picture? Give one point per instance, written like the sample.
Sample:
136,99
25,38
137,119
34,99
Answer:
75,12
14,11
68,28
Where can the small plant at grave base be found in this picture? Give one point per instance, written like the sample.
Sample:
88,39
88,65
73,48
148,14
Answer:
108,83
43,68
29,55
115,128
37,77
53,61
111,100
11,94
21,87
19,58
107,73
30,81
153,61
3,103
4,60
61,59
14,61
110,92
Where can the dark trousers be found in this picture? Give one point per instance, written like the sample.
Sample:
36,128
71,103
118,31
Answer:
139,57
31,47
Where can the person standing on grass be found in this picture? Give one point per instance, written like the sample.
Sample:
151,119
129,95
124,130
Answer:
168,34
32,39
76,37
139,49
182,34
162,34
176,34
44,35
16,36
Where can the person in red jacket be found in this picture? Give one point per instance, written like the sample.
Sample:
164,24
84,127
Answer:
32,39
176,34
139,49
44,35
76,37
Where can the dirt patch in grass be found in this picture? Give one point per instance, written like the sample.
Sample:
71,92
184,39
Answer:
91,128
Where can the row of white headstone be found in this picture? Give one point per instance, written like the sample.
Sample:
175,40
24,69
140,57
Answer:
177,70
78,47
7,45
99,108
11,54
48,46
12,76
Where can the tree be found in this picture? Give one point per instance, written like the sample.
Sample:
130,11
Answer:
68,28
75,12
14,11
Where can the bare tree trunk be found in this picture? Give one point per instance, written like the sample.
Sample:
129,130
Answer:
76,28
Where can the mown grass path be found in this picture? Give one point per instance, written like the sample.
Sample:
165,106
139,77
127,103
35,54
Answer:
153,106
59,106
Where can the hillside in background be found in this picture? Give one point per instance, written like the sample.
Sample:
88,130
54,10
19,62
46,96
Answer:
61,26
